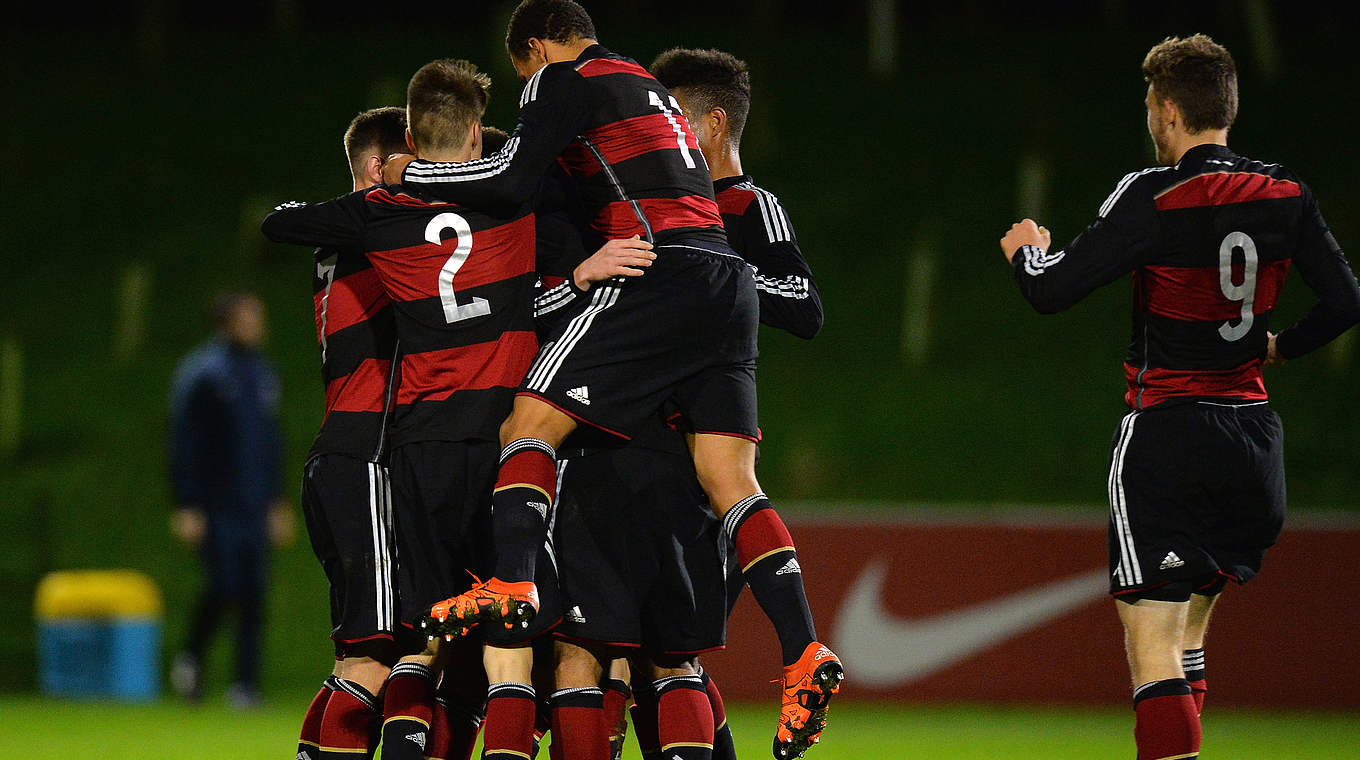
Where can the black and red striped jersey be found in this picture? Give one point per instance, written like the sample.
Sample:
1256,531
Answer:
358,342
759,231
1209,241
616,132
462,286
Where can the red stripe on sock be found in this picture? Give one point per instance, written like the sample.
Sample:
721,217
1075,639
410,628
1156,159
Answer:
311,722
1166,727
582,731
409,696
509,726
761,533
348,723
684,718
529,467
715,701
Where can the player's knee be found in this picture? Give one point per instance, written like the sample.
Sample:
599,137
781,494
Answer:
576,667
365,671
531,418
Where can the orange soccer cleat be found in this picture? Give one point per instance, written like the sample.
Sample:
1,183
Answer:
492,600
808,686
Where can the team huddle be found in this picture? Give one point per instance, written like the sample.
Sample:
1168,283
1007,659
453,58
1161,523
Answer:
539,354
539,360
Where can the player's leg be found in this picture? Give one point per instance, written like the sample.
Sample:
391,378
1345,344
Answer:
578,720
353,718
617,695
249,589
459,704
510,703
525,489
684,719
723,746
1167,724
1192,644
309,737
408,702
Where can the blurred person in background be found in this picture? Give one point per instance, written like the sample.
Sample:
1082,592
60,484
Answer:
225,452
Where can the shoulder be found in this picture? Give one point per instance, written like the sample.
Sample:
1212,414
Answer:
203,363
757,202
1138,187
553,79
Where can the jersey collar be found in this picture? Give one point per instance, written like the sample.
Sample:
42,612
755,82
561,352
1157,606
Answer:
720,185
1196,156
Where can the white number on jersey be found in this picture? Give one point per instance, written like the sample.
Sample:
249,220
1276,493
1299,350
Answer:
325,269
1246,292
454,311
654,99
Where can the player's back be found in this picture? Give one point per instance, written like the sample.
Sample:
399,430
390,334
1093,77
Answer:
462,284
357,340
1227,229
638,130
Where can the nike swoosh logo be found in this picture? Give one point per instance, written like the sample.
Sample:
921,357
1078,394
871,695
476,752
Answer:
882,651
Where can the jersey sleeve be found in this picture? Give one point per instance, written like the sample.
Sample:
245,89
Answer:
553,111
1325,270
337,223
789,299
191,399
1122,238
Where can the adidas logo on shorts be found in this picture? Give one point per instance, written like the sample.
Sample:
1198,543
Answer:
417,738
1171,561
581,394
791,566
574,615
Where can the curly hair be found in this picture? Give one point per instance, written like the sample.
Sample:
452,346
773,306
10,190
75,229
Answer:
709,79
557,20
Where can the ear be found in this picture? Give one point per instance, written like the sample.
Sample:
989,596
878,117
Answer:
475,139
538,49
717,122
373,170
410,141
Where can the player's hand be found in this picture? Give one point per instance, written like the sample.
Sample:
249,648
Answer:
189,524
282,524
394,166
626,258
1024,232
1273,358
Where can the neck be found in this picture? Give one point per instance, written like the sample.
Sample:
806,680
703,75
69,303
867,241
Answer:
727,163
453,156
1186,140
558,52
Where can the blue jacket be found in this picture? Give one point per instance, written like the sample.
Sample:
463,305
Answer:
225,446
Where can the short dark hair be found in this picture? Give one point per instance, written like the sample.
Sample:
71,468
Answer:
1199,76
445,98
557,20
711,79
378,129
493,139
222,308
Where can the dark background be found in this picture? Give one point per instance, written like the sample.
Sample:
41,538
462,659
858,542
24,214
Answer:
144,141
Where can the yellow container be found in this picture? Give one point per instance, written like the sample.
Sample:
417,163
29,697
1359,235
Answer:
97,594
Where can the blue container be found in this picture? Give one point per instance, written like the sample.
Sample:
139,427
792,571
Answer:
99,635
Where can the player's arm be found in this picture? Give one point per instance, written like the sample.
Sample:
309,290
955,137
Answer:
553,111
337,223
191,400
628,257
1115,244
1323,266
789,299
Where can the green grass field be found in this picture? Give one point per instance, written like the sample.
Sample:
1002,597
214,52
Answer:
34,727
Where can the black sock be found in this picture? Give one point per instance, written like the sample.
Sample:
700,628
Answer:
770,566
526,487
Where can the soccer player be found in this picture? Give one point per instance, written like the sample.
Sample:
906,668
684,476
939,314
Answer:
345,490
462,281
1196,481
686,330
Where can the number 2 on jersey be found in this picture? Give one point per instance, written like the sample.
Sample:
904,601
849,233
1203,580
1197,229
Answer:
1246,292
454,311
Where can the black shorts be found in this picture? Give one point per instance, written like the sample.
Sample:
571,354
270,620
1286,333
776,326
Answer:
642,559
1197,495
347,507
442,498
686,331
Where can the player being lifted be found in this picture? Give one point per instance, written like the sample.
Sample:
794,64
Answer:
1196,481
345,488
686,331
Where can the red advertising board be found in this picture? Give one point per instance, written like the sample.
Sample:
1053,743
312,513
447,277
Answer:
1014,609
